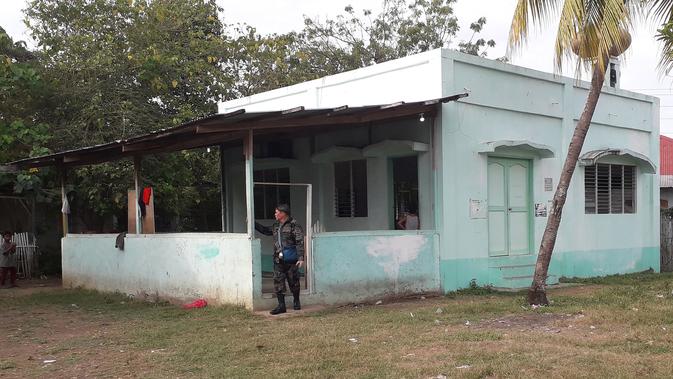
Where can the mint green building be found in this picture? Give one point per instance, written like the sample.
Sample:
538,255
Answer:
474,147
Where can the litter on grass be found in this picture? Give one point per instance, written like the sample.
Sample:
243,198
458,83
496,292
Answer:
200,303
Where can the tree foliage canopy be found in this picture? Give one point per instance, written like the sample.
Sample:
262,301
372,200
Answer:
126,67
351,40
23,97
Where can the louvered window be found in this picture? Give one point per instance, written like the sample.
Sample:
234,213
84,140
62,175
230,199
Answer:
609,188
350,188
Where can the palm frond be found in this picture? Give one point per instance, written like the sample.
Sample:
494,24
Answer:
661,10
665,37
587,29
527,12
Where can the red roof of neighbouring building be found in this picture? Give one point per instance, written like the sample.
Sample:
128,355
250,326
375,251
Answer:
666,158
665,162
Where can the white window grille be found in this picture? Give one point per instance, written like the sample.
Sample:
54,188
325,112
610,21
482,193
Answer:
350,188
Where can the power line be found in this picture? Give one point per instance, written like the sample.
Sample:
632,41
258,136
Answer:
650,89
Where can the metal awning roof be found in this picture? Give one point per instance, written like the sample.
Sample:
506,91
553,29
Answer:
590,158
227,127
542,151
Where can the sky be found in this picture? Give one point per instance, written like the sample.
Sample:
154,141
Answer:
639,69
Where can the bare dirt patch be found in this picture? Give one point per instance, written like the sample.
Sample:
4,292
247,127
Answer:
28,287
50,341
529,322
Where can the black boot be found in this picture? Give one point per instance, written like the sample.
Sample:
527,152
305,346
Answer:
296,304
281,305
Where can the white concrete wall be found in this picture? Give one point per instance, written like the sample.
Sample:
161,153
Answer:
413,78
181,267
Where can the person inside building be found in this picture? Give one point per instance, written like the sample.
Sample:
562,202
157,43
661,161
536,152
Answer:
7,260
409,221
288,255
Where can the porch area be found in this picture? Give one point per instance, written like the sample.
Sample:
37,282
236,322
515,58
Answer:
350,175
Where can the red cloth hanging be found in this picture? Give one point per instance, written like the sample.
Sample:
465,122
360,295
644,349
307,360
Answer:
147,194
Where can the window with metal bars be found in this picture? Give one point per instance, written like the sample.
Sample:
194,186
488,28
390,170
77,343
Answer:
350,188
609,189
267,198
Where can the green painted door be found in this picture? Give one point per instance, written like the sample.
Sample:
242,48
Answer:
509,214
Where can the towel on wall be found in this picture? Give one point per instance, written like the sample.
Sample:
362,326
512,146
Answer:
147,194
66,205
119,242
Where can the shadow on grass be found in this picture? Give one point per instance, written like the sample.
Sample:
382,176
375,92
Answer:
648,276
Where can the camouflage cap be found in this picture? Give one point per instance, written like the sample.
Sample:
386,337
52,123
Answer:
284,208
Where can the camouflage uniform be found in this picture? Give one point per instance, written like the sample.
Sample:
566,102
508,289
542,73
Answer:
291,234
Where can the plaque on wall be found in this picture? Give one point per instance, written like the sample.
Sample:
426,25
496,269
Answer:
477,209
548,184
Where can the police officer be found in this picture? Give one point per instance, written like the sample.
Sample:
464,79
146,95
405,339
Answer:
288,255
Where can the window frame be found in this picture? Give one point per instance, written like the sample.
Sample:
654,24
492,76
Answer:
264,206
612,208
353,204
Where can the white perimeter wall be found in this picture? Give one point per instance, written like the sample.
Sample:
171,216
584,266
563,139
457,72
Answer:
181,267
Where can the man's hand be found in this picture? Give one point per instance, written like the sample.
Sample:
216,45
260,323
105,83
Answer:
300,264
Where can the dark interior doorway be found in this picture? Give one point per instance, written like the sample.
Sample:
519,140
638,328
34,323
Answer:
405,187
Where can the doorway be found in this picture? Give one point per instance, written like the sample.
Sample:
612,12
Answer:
286,191
509,207
405,187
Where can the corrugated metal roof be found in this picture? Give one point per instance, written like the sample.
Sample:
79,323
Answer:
666,155
226,127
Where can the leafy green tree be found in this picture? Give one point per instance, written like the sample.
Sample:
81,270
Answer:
480,45
123,68
23,96
261,63
350,41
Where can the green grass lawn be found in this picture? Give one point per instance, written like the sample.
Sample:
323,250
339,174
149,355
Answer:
613,327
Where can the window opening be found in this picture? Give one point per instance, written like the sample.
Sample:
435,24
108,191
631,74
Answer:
405,187
350,188
609,189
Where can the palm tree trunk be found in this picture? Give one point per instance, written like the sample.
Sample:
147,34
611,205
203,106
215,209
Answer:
537,294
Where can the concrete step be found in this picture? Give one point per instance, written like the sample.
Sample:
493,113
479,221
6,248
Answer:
514,270
512,260
524,281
